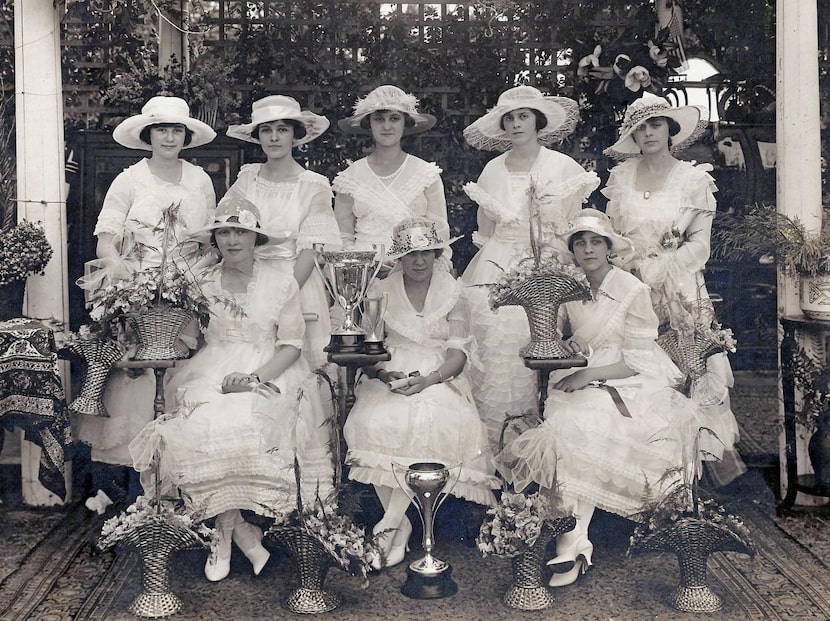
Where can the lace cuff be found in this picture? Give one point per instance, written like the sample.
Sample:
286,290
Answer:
110,221
492,207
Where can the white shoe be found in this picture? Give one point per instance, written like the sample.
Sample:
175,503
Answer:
218,565
248,538
98,503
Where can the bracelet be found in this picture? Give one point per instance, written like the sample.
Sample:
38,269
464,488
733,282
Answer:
440,377
255,378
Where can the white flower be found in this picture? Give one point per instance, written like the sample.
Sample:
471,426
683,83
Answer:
247,218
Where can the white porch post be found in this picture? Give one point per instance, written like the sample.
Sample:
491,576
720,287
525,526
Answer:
798,146
172,41
40,179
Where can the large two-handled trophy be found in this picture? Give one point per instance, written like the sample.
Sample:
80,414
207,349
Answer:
348,274
424,484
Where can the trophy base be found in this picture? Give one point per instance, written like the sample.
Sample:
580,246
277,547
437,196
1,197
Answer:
429,586
373,348
345,344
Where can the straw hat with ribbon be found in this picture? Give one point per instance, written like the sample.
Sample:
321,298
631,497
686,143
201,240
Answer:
387,97
419,234
595,221
240,213
161,110
561,113
280,108
693,122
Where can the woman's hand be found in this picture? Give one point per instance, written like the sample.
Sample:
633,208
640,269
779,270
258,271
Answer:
238,382
577,345
416,384
576,381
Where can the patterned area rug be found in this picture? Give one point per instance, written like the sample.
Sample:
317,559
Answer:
754,400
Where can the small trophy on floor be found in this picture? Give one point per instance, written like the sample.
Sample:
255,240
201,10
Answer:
424,484
348,274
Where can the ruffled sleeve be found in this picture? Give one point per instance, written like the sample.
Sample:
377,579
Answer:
621,176
319,225
641,352
291,325
116,206
697,210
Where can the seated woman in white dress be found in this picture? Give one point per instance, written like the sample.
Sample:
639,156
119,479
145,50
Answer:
246,403
432,418
612,429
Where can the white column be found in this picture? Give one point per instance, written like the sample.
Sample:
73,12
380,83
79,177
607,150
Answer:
172,41
798,150
41,190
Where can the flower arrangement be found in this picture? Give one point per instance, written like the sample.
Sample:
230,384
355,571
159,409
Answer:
24,250
513,526
150,287
143,512
345,541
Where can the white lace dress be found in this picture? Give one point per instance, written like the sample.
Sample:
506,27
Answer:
303,207
686,202
588,445
236,450
132,213
382,202
502,385
438,424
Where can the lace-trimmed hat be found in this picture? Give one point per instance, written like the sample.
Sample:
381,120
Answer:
561,113
595,221
161,110
280,108
693,122
419,234
240,213
387,97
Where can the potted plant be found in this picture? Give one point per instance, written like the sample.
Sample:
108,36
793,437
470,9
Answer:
155,529
763,232
813,415
24,250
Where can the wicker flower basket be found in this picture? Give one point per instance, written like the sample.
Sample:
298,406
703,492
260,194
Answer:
689,353
155,541
540,296
312,562
693,540
157,330
99,356
528,591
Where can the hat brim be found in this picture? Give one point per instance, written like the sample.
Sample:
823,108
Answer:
391,255
693,124
619,244
315,126
562,115
127,132
274,237
423,122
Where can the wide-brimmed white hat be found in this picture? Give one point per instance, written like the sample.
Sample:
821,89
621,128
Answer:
693,121
280,108
561,113
595,221
387,97
419,234
161,109
240,213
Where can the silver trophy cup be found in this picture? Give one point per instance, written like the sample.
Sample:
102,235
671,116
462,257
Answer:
425,483
373,311
348,274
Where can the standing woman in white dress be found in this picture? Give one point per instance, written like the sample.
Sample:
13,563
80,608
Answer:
665,206
130,239
431,417
378,191
291,198
522,123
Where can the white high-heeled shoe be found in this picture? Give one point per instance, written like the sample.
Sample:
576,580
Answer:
218,565
400,544
248,538
578,552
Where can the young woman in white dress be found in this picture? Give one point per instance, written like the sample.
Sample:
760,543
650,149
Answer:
131,238
522,123
246,404
291,198
378,191
432,417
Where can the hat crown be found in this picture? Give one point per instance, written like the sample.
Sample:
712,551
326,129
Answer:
387,97
270,104
163,106
643,109
519,95
245,212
